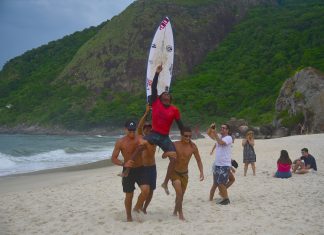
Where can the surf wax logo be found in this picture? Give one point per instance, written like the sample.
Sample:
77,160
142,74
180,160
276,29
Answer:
164,23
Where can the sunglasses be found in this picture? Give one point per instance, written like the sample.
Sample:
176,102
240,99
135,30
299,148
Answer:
187,136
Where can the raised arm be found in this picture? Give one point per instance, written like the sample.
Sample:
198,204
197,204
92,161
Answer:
212,133
142,120
154,95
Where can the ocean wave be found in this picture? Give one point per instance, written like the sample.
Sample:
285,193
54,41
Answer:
6,162
48,160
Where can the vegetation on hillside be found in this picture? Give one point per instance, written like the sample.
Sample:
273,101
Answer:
241,78
28,91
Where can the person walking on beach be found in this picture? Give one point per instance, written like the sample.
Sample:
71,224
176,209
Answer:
222,163
163,115
249,156
231,177
185,148
231,180
126,146
304,163
149,168
283,165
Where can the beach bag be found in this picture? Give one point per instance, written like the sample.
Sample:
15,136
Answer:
234,164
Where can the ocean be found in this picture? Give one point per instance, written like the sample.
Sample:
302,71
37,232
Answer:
20,153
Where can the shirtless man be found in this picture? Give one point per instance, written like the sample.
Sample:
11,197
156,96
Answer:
163,115
184,148
149,168
126,146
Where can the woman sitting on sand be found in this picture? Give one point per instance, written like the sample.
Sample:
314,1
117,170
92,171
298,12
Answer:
283,165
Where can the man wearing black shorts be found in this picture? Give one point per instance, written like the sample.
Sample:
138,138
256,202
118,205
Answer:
126,146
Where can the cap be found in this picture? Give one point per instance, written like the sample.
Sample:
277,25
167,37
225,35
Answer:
130,125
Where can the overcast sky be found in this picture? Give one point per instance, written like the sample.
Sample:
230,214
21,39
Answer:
28,24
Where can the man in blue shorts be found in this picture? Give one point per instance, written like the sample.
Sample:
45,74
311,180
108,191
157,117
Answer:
222,163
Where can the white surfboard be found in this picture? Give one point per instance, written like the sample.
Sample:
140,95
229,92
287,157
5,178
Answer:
161,52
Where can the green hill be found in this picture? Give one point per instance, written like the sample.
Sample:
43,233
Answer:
227,64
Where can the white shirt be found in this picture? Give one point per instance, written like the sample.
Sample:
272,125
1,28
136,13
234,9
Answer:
223,152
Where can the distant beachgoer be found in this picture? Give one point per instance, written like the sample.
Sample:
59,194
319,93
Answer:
249,156
185,149
126,146
149,168
304,163
222,163
283,165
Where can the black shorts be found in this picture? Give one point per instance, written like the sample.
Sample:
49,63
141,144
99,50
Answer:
149,176
135,176
163,141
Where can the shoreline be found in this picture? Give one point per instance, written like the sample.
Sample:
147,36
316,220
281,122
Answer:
79,167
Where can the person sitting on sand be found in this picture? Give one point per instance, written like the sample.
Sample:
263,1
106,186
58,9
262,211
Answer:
149,168
126,146
185,149
283,165
303,164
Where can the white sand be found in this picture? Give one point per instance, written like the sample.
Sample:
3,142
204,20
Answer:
92,201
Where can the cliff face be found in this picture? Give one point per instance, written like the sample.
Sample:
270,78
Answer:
302,97
115,59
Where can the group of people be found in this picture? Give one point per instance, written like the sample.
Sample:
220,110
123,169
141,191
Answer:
138,151
285,166
302,165
139,144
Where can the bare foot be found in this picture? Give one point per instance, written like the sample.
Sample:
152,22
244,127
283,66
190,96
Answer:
165,187
181,217
130,219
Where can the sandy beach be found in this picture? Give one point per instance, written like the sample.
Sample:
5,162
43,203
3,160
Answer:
89,200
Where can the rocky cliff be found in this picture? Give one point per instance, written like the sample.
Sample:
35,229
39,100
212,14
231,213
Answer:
300,102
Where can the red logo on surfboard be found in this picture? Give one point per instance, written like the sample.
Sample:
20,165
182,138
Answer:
164,23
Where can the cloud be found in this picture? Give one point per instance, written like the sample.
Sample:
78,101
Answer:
27,24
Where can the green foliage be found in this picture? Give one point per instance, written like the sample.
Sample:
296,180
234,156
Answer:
240,78
291,121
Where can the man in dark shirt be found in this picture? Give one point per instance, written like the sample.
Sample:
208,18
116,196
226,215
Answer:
305,163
